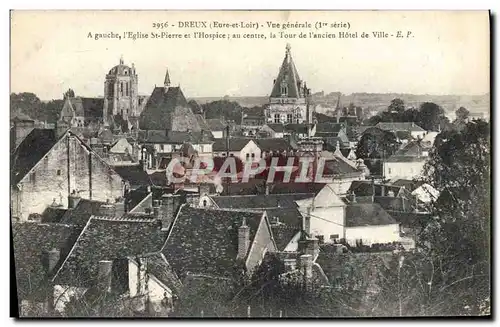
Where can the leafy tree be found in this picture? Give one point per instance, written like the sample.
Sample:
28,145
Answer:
432,117
376,143
27,103
230,110
462,114
397,105
195,107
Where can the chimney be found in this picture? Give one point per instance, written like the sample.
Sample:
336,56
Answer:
107,209
373,190
307,221
290,264
309,246
53,257
267,188
156,209
73,200
243,240
353,197
382,190
104,275
306,263
144,161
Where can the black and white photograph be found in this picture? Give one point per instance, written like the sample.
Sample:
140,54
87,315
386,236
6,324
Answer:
250,164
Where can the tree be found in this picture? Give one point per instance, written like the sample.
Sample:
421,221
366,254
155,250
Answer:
462,115
376,143
27,103
432,117
397,105
195,107
230,110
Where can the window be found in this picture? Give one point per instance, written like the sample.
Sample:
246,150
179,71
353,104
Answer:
232,154
276,118
121,88
204,203
59,172
223,154
334,236
389,169
161,147
253,155
126,89
247,156
289,118
321,238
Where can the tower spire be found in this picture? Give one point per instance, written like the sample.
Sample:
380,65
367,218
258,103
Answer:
166,83
121,60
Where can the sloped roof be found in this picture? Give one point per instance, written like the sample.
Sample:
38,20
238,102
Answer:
135,175
278,128
322,118
331,128
289,76
158,266
168,109
283,234
405,126
134,197
235,144
261,201
202,122
367,214
81,214
53,214
410,185
336,166
365,188
296,128
399,158
174,137
107,239
206,240
273,144
215,124
31,150
30,241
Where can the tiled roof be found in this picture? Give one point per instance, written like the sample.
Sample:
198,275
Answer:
286,188
158,266
134,197
206,241
259,201
398,158
282,235
410,219
31,150
273,144
235,144
53,214
202,122
278,128
30,242
365,188
336,166
409,185
168,110
215,124
107,239
389,202
135,175
322,118
296,128
288,74
367,214
174,137
331,128
81,214
406,126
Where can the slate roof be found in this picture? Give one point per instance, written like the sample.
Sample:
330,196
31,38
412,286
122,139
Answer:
235,144
398,158
174,137
135,175
365,188
289,75
168,110
322,118
405,126
134,197
202,122
338,167
53,214
282,235
273,144
389,202
290,223
31,150
107,239
367,214
409,219
158,266
30,242
206,241
409,185
81,214
296,128
88,107
330,128
278,128
259,201
215,124
287,188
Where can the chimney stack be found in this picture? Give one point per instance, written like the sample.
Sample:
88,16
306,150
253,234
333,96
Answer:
52,259
243,240
307,221
267,188
107,209
73,200
306,263
104,275
156,209
144,161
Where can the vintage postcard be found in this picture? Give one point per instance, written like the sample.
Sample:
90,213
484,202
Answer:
277,164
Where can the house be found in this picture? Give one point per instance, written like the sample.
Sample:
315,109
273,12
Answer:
244,148
118,258
416,131
274,130
299,130
324,215
159,147
50,164
218,243
283,214
270,147
419,189
121,153
134,177
21,126
39,249
406,163
368,223
217,127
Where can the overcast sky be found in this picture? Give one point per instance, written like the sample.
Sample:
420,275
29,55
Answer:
448,53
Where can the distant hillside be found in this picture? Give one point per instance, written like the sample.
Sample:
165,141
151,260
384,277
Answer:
376,101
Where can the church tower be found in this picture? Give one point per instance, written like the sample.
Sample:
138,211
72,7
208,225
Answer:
120,93
287,102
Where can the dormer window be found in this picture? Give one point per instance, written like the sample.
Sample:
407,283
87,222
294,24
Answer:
284,90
